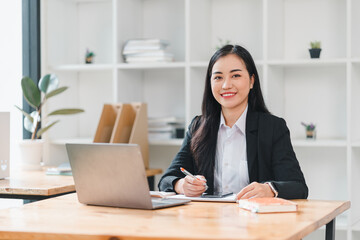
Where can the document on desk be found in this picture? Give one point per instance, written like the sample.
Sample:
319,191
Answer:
230,198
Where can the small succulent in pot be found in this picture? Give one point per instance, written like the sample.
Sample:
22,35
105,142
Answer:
89,55
315,49
310,130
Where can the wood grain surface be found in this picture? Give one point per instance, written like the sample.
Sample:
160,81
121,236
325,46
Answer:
65,218
39,184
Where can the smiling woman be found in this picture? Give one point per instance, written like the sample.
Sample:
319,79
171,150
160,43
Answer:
236,145
230,85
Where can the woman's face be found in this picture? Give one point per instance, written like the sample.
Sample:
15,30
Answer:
231,83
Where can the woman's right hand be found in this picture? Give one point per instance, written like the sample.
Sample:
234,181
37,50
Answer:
191,187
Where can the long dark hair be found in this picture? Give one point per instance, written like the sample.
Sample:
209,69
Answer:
203,143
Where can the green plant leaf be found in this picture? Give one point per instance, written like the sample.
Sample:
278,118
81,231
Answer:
42,130
30,125
55,92
315,45
66,111
25,114
48,83
31,92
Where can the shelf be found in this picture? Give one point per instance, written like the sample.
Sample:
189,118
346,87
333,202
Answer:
318,143
307,62
199,64
154,65
139,66
102,67
82,67
166,142
356,226
91,1
355,143
179,141
62,141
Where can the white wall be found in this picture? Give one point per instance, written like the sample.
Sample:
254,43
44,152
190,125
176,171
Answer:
10,76
11,68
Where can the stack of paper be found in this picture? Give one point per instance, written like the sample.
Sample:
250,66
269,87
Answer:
229,198
62,169
146,50
163,128
160,194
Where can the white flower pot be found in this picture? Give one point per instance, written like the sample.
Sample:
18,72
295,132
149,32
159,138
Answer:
31,152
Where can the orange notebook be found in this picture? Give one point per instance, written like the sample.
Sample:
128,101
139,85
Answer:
267,205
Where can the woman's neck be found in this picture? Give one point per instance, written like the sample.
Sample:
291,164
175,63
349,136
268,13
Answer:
232,115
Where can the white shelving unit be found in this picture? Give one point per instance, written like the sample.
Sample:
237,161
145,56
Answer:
276,32
172,142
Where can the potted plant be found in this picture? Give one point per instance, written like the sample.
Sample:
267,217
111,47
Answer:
31,150
89,56
310,130
315,49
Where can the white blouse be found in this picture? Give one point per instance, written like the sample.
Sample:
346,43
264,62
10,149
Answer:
231,167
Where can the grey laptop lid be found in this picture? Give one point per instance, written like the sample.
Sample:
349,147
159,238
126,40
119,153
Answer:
110,175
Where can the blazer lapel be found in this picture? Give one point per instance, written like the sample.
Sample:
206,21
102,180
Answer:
252,143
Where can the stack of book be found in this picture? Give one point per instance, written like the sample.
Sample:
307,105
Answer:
146,50
164,128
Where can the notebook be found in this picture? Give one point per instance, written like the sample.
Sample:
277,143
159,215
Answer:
229,198
113,175
266,205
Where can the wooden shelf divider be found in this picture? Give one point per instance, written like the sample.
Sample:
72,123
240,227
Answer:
125,123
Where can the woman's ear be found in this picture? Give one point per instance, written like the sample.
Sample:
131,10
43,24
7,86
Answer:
252,81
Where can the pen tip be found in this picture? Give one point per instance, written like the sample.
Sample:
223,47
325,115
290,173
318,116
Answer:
181,168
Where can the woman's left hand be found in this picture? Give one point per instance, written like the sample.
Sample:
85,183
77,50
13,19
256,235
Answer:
256,190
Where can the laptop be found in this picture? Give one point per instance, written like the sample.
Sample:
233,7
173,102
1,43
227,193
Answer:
113,175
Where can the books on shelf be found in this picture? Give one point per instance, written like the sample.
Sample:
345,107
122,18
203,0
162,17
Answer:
163,128
139,58
153,121
146,50
160,132
267,205
144,44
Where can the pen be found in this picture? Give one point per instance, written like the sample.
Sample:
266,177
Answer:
187,173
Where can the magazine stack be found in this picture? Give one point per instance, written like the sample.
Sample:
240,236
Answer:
146,50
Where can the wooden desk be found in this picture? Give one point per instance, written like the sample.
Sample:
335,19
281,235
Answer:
65,218
36,185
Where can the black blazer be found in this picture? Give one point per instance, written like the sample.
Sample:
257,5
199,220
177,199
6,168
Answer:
270,157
